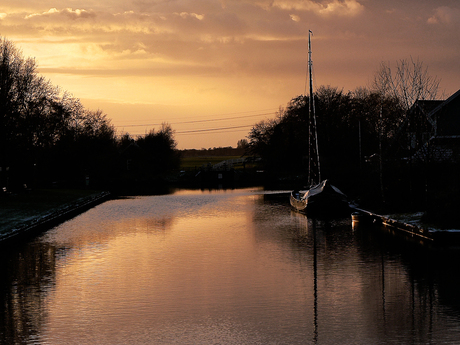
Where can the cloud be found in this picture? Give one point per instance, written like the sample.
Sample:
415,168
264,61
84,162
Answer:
445,15
241,36
68,12
188,15
345,8
84,23
49,12
334,7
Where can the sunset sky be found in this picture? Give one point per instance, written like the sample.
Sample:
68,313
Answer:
207,64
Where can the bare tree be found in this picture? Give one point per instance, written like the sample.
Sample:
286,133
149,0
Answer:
408,82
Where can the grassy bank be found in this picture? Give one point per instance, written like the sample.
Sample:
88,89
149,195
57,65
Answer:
22,207
190,163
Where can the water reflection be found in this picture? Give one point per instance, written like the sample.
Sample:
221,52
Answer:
27,275
413,278
229,267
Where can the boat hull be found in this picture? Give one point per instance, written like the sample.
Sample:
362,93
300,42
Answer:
298,203
322,200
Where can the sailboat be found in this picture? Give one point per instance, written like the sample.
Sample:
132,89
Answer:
322,198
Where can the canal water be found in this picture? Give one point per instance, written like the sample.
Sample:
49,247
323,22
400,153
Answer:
224,267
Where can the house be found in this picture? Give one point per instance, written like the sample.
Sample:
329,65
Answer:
431,131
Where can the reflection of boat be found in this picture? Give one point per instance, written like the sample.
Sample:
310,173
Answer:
322,199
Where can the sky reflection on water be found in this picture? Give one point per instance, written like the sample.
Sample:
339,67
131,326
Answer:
225,267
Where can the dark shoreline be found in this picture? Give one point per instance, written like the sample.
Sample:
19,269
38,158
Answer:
443,217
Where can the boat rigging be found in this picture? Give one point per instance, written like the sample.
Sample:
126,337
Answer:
321,198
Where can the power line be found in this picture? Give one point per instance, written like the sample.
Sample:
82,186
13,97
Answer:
212,129
205,130
198,121
209,130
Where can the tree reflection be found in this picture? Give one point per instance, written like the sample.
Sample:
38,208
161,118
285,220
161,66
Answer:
387,287
27,276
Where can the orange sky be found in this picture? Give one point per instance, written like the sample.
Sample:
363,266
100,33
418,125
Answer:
209,64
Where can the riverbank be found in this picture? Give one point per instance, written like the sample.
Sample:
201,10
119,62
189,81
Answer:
26,213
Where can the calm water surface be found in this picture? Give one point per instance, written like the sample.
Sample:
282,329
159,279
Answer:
224,267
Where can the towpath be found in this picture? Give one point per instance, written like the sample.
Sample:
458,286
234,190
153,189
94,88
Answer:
36,209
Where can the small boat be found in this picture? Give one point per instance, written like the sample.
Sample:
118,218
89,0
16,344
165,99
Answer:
323,199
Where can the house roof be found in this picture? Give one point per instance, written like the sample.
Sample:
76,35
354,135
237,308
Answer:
428,105
447,116
442,115
445,103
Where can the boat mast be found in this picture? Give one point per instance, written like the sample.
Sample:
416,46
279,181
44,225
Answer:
314,169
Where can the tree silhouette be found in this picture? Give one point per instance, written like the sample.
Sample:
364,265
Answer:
408,82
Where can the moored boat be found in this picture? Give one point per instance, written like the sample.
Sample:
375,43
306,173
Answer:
323,199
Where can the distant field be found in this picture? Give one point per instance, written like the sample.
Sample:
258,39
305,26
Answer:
198,162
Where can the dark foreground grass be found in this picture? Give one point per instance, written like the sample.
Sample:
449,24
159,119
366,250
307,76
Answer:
22,207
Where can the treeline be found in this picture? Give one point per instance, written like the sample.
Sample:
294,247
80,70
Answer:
48,137
354,129
361,146
213,152
343,121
